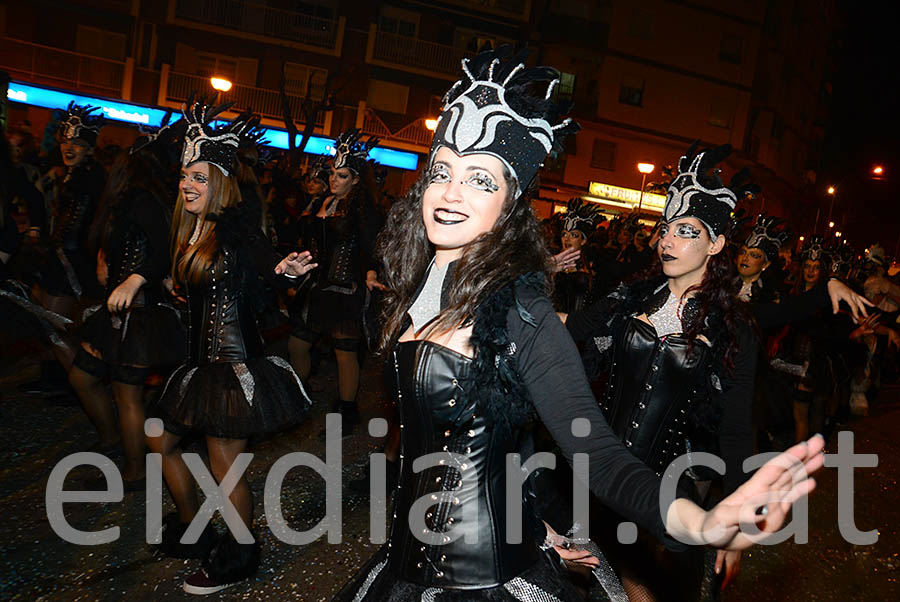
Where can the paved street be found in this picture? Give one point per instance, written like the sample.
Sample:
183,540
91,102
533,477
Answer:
37,564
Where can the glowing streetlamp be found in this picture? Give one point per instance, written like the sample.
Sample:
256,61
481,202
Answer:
837,234
831,224
431,124
221,84
831,190
644,168
878,170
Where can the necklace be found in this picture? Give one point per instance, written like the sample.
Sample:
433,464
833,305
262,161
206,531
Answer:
196,235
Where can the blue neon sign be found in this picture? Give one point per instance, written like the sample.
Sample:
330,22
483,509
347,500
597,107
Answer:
142,115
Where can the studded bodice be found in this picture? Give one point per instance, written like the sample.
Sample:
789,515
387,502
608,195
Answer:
222,324
652,386
450,520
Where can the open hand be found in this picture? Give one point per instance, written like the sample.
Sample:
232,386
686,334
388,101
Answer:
296,264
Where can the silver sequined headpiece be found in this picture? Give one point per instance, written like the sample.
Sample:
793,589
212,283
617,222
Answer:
768,236
581,216
481,114
217,146
81,124
352,153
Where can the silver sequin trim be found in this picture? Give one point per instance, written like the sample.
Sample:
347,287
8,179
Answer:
246,379
665,320
603,343
430,594
285,365
185,381
526,592
370,579
427,305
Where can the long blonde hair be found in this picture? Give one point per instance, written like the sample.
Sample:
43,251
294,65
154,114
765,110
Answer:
190,263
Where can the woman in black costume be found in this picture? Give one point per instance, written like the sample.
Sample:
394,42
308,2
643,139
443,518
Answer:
479,354
573,285
228,390
133,330
340,229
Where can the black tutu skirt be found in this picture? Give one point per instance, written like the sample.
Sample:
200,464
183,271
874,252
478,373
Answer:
232,400
544,582
329,312
145,336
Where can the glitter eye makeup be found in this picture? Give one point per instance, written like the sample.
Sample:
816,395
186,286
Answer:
687,231
439,175
663,230
482,182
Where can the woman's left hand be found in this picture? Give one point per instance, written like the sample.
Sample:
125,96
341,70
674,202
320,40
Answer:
372,281
730,561
838,291
759,507
296,264
123,295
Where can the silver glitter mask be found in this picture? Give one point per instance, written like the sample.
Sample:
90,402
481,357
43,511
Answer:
81,124
766,237
480,120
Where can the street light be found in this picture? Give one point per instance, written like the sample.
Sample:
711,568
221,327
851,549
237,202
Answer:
220,83
878,170
431,124
831,224
644,168
831,190
837,234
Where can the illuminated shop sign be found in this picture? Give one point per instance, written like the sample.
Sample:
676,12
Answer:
142,115
626,197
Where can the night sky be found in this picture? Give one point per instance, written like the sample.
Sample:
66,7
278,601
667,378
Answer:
865,124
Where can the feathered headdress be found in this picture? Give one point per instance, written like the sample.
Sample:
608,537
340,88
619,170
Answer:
351,152
814,250
698,192
581,216
81,123
218,146
768,235
495,109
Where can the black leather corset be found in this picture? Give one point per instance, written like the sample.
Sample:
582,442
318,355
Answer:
445,496
73,217
127,256
652,386
223,326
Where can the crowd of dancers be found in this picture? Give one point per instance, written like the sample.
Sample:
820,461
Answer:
701,332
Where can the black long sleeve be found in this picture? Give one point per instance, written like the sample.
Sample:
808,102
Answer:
551,368
736,400
792,308
151,217
594,320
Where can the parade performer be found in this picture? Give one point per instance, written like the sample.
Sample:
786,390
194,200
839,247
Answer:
573,285
228,390
340,229
479,354
135,329
758,254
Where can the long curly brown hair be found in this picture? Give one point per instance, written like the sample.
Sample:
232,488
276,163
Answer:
513,247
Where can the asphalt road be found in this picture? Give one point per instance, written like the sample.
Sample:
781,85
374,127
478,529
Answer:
37,564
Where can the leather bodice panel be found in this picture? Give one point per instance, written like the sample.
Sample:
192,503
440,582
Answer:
127,257
335,241
652,386
75,206
463,541
223,327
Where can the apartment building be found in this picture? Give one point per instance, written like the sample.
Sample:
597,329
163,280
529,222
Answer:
645,78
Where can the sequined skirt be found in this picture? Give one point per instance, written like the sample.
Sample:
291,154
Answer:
232,400
544,582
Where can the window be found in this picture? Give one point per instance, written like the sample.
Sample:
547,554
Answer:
387,96
211,65
555,164
730,49
98,42
565,89
631,92
603,155
297,76
398,21
720,113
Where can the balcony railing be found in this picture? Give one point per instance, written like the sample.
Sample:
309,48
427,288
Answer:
520,9
414,133
52,66
260,19
413,54
260,100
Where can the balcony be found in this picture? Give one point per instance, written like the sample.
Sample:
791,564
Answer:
517,9
413,137
55,67
414,55
174,88
261,22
